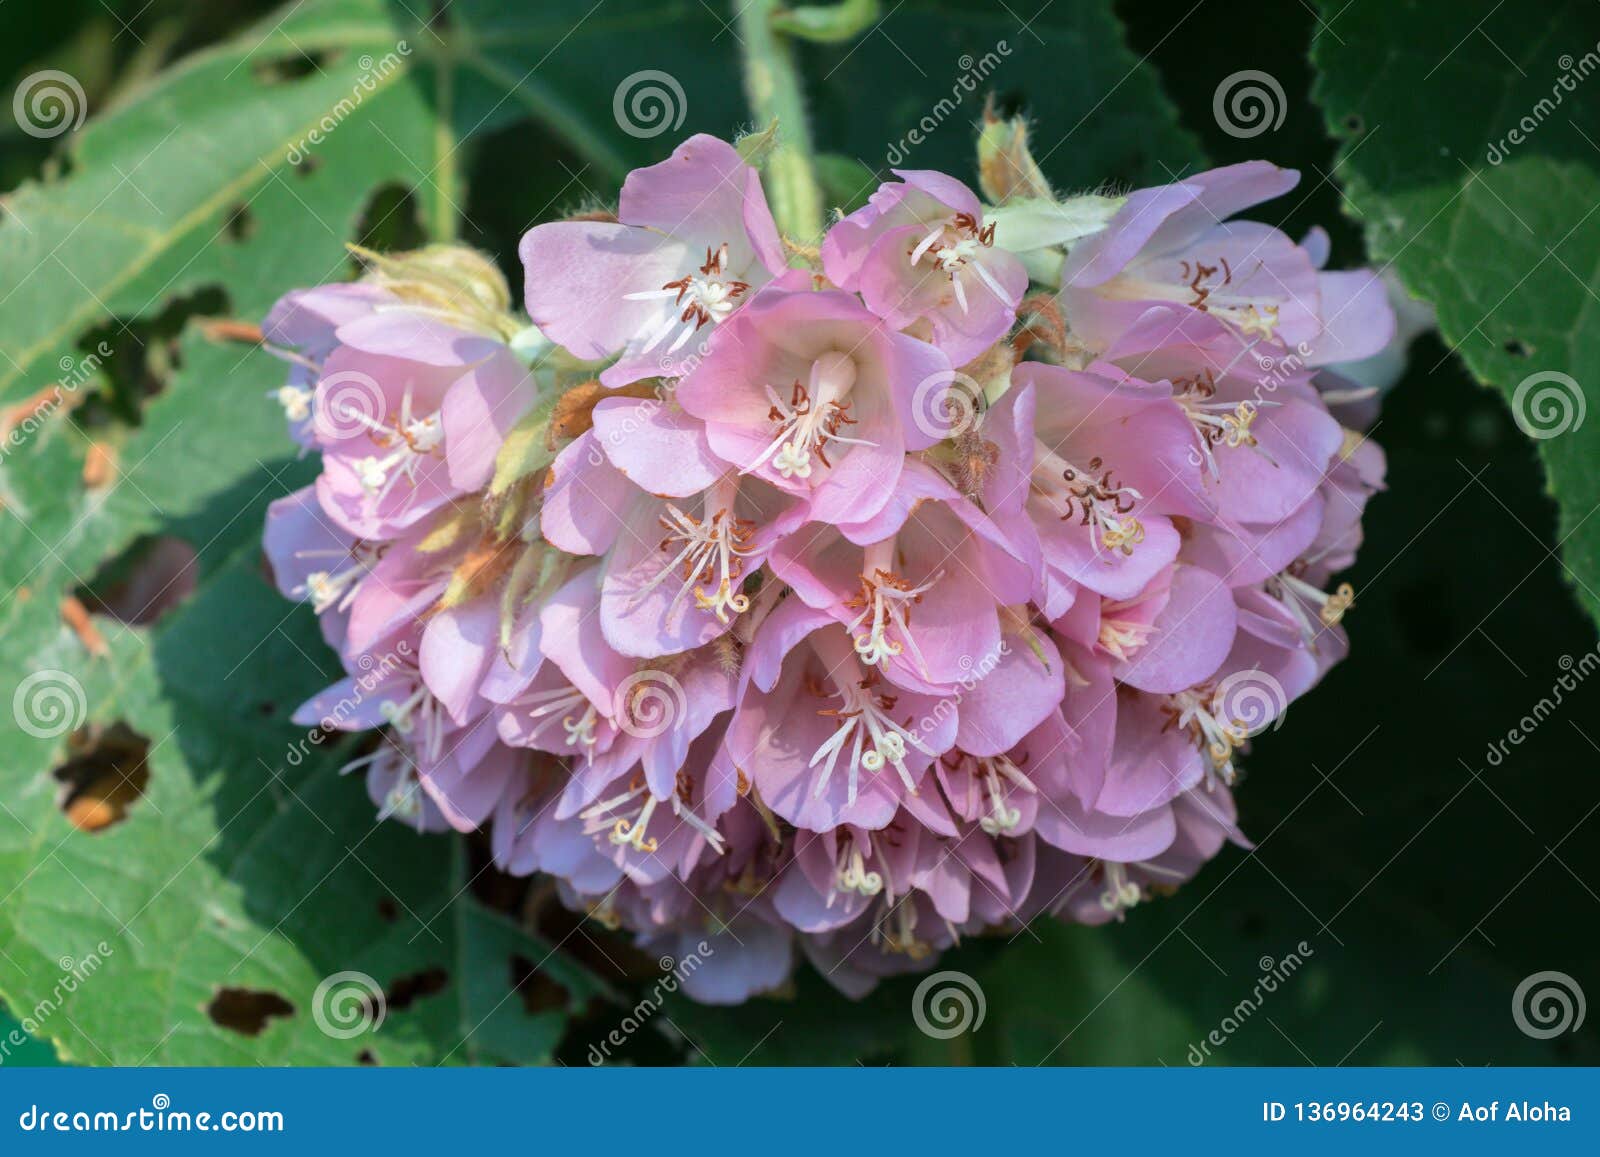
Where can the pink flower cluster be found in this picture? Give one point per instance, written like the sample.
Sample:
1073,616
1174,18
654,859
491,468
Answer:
849,599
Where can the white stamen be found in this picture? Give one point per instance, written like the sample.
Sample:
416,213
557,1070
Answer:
295,400
1092,496
875,740
811,418
885,603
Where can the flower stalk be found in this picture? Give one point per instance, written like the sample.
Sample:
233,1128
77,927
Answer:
772,86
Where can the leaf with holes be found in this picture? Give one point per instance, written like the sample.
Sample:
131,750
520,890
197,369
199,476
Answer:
219,872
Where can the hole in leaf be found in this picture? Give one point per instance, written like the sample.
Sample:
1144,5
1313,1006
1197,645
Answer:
140,356
306,165
240,225
145,582
390,221
388,912
246,1010
537,991
1518,348
292,67
105,772
405,990
365,1057
1354,124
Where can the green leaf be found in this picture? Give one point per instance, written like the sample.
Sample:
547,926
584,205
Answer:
248,872
1470,155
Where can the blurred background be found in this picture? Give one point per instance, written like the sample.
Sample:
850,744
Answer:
1428,879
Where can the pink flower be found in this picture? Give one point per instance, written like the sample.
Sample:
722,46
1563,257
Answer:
921,250
825,739
760,664
815,394
920,587
409,413
692,242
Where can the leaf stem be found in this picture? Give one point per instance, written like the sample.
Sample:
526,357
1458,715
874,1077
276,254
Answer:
772,85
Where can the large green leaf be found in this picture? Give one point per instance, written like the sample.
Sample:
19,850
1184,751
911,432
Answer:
248,869
1472,155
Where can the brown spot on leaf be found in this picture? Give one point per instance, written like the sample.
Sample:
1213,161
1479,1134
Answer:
292,66
241,223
